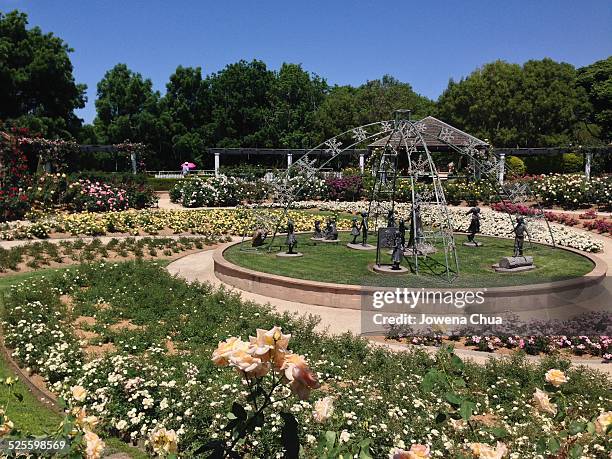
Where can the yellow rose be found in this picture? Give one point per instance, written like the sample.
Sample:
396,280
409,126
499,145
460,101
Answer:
555,377
226,348
164,441
94,446
418,451
78,393
603,421
323,409
483,451
266,340
543,403
246,363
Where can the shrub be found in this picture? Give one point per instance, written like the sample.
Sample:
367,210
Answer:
572,163
347,188
212,191
516,165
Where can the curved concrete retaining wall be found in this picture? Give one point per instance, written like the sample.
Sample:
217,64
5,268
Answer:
587,292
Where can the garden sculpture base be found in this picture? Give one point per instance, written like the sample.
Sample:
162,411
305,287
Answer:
422,249
361,246
514,264
289,255
473,244
388,269
335,241
316,239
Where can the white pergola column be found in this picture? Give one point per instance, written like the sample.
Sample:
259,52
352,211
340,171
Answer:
502,168
133,160
289,160
217,163
588,157
362,162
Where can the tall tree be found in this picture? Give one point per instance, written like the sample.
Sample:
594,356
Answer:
240,96
538,104
187,107
596,79
37,87
378,99
126,106
295,97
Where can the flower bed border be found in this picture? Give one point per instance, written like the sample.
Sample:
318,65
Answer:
350,296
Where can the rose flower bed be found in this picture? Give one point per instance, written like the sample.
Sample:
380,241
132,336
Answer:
187,369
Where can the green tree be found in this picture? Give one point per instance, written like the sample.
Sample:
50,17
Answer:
337,113
537,104
37,87
187,107
126,106
596,79
378,99
295,97
241,109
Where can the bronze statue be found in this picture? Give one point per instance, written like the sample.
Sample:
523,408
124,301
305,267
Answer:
317,230
331,233
291,239
390,219
355,230
398,251
474,224
259,237
364,228
520,230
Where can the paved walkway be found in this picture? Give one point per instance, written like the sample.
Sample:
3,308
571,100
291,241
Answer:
200,267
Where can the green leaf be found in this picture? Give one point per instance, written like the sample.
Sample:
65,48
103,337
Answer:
231,416
466,409
575,451
576,427
498,432
459,382
457,362
453,398
331,438
590,427
553,445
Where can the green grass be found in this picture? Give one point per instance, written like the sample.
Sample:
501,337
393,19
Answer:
336,263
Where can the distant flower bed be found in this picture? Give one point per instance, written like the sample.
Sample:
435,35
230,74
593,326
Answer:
574,190
58,191
138,352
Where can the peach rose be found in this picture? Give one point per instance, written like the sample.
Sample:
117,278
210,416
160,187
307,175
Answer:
78,393
225,349
94,446
483,451
249,365
555,377
543,403
416,451
603,422
267,340
6,426
301,377
164,441
323,409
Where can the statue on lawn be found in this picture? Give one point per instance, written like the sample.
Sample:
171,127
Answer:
318,234
390,219
474,224
398,251
291,239
520,230
331,232
402,230
364,228
355,230
259,237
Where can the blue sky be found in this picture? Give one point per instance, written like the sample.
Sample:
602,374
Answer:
423,43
